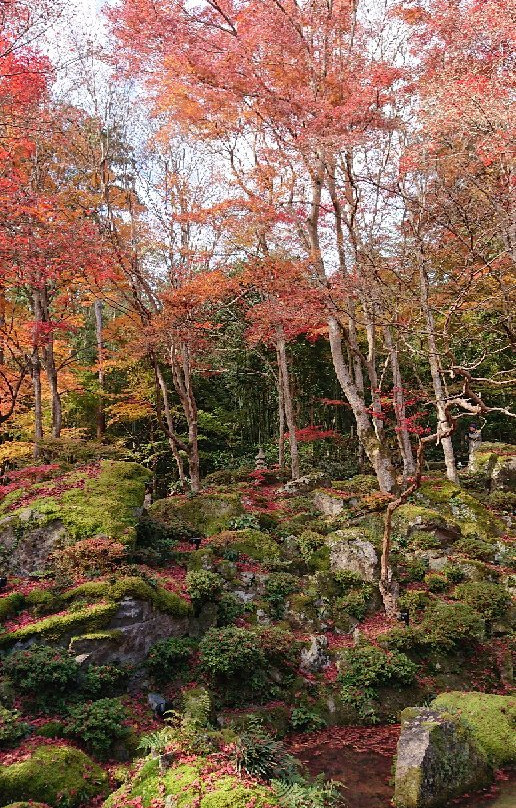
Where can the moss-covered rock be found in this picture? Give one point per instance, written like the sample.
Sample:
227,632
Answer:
56,627
437,759
249,542
187,786
492,719
61,776
106,504
206,513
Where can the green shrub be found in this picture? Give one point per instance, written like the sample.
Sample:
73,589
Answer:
475,548
449,625
169,658
489,600
59,776
42,673
230,652
356,602
414,570
99,725
414,601
454,573
347,580
11,604
155,541
278,586
203,586
299,794
12,730
103,680
503,501
436,582
366,668
279,647
309,542
230,607
244,522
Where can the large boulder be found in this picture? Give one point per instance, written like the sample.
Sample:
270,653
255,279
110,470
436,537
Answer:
328,503
437,759
104,501
315,658
307,483
54,775
127,639
351,551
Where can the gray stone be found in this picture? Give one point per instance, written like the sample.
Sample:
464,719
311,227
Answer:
303,485
437,760
503,477
351,552
27,541
328,504
135,627
157,702
315,658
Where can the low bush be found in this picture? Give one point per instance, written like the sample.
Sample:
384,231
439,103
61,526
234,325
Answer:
365,669
99,725
454,573
278,586
230,652
155,540
42,673
103,680
302,719
230,607
451,625
488,599
203,586
435,582
12,730
414,601
169,658
414,570
94,556
475,548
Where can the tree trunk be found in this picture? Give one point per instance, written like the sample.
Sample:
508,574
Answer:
443,430
398,397
281,416
101,416
376,451
287,403
38,408
173,441
179,359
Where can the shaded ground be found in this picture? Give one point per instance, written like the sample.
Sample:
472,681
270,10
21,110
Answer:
361,758
358,757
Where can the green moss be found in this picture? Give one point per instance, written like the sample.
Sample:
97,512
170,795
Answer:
30,804
185,785
206,513
135,587
11,604
252,543
105,505
492,719
468,512
90,618
61,776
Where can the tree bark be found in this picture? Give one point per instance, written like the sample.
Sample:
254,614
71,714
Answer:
376,451
38,408
101,415
287,403
443,425
398,396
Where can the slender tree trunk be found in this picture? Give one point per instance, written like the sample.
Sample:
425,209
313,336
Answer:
398,396
101,415
287,403
377,453
443,430
38,408
169,427
179,359
281,416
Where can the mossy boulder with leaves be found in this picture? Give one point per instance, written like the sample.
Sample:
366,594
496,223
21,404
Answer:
205,514
60,776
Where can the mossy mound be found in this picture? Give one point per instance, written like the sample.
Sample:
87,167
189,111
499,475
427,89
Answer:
187,786
106,504
252,543
29,804
61,776
93,618
461,508
207,514
492,719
